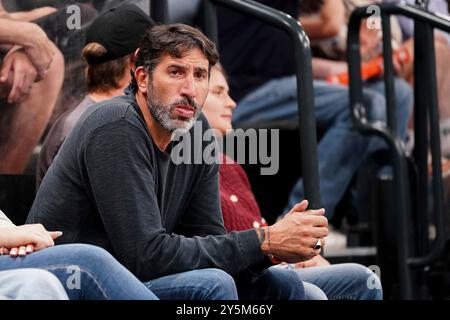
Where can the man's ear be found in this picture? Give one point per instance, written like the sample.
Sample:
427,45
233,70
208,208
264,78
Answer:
141,79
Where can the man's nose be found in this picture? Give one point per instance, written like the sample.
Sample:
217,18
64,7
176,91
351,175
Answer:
189,88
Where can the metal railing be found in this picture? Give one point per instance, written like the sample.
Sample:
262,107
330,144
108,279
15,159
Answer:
159,11
426,121
303,68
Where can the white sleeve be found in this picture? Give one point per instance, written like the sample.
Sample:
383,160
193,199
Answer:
4,221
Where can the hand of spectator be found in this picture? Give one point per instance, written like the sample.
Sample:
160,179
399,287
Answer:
39,49
32,14
27,238
17,251
337,67
293,238
317,261
18,66
26,15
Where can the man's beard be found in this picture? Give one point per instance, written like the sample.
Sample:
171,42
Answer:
163,113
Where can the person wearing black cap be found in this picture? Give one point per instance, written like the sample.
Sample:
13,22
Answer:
109,52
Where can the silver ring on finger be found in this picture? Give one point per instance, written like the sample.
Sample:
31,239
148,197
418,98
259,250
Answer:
318,245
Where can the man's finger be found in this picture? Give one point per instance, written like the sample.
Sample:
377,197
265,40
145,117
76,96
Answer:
319,232
314,220
318,212
321,221
300,207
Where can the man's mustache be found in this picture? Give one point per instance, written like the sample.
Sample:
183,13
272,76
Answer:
185,102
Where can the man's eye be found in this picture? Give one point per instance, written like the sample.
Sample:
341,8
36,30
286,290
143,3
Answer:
201,75
174,72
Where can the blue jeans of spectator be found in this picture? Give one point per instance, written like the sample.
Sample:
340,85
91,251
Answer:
373,166
404,99
30,284
86,272
271,284
202,284
346,281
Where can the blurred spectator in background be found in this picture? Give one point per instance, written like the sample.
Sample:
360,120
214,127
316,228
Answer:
260,62
329,63
333,48
442,50
111,41
53,17
329,51
32,70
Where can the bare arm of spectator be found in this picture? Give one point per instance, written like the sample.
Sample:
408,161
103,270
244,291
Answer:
26,15
22,123
33,40
327,23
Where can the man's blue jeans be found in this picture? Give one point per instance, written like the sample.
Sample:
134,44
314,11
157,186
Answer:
214,284
341,149
86,272
271,284
202,284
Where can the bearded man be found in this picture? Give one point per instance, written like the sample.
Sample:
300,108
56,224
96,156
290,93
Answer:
114,184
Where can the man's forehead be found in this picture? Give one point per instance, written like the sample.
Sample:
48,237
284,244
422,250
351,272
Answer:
194,58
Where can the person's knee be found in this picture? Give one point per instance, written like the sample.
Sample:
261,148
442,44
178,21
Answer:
404,93
87,255
376,105
39,284
222,285
284,284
